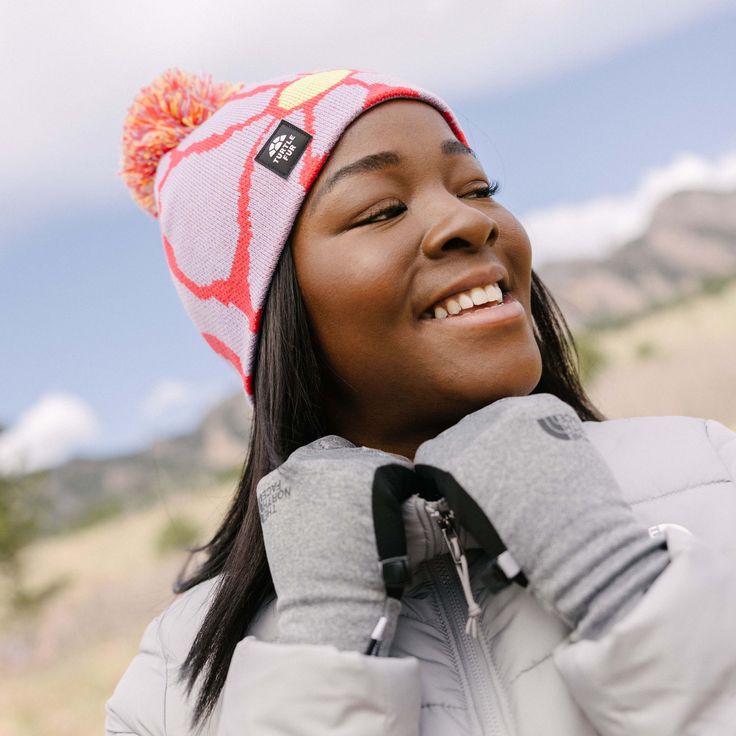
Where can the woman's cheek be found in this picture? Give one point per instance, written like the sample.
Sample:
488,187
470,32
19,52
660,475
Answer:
372,283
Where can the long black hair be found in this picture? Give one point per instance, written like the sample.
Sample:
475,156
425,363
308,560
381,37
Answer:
287,416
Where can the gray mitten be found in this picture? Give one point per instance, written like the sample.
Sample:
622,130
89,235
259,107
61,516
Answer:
318,526
528,466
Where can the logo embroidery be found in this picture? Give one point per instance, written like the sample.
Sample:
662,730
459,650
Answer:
268,498
282,151
561,426
275,145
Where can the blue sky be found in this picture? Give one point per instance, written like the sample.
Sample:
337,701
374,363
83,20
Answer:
98,355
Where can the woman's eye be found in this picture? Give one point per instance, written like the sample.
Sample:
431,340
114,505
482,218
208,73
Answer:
380,215
485,191
396,208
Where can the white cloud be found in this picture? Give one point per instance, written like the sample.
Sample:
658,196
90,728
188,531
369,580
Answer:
50,431
174,406
77,66
596,227
168,395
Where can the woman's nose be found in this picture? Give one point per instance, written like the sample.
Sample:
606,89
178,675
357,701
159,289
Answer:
458,224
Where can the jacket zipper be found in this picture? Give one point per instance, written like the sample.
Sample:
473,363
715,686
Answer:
472,647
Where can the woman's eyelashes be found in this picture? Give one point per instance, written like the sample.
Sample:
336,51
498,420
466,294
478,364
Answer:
486,191
396,208
385,213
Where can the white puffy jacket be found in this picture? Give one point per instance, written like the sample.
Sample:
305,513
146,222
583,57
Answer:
666,668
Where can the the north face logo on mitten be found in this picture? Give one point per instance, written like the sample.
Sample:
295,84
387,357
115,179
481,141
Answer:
561,426
268,498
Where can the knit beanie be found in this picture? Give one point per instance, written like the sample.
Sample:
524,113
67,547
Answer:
225,168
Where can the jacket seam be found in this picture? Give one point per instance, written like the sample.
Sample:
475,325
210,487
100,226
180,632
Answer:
447,706
717,450
689,487
414,617
532,666
505,708
450,648
427,532
386,707
165,655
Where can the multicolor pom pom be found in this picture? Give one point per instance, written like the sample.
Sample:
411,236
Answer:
163,114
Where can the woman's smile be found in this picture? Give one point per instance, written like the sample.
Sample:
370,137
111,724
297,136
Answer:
491,314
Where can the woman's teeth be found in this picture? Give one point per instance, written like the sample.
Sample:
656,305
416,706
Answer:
463,300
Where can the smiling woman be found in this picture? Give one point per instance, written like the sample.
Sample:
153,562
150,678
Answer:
433,532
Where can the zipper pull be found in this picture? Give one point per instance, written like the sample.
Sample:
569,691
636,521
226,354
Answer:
444,519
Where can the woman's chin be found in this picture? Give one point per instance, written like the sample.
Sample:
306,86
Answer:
481,381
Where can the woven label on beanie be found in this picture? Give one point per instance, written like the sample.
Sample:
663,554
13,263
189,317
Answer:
283,149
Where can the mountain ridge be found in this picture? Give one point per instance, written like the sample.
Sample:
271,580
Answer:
690,239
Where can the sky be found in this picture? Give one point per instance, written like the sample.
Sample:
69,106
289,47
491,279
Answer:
586,119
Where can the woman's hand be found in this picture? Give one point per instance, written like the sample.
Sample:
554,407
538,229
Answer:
528,466
318,526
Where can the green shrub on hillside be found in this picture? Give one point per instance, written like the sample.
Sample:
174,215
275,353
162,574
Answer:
646,349
18,526
717,284
95,512
178,534
591,359
27,601
18,529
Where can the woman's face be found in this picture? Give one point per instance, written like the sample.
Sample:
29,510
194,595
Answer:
399,220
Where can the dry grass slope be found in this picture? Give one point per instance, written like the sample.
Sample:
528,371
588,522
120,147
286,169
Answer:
58,668
680,361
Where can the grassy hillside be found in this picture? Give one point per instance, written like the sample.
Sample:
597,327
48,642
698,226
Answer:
678,360
60,664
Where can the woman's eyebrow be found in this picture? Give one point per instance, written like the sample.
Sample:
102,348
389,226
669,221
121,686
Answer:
454,146
372,162
382,160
